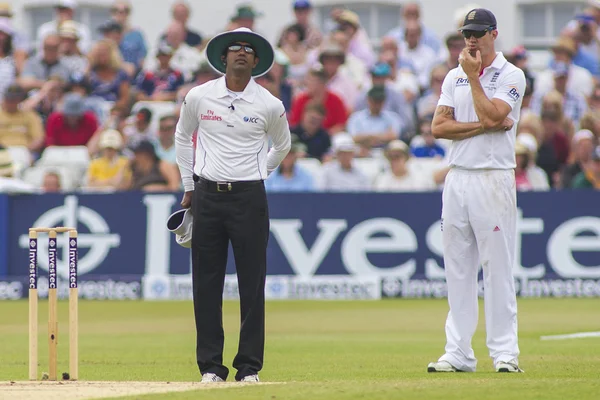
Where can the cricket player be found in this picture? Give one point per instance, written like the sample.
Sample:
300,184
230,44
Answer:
224,186
479,109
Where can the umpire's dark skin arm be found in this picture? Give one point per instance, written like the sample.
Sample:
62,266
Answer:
186,202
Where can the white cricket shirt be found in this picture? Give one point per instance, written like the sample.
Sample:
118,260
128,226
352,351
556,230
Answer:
491,150
233,133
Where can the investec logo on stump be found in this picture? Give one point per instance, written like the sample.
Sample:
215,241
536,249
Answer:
32,263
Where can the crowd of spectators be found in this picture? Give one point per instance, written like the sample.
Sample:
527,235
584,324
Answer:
79,114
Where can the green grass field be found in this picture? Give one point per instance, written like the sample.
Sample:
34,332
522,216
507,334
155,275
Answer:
320,350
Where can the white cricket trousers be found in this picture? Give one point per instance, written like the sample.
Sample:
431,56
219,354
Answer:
479,228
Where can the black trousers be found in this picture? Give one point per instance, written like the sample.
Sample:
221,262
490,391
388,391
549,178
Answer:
222,213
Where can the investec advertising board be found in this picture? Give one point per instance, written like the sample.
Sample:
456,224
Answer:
322,246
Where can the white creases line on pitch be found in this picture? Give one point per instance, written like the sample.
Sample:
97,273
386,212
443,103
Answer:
577,335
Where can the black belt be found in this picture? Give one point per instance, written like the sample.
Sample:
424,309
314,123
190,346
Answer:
225,187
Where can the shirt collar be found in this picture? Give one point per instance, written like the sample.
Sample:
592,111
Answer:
499,61
248,94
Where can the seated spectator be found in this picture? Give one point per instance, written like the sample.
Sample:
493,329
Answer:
523,178
520,59
455,43
554,102
591,122
165,143
150,173
132,44
400,178
311,133
161,84
65,11
80,84
360,45
181,14
394,100
340,175
293,44
289,177
574,104
420,55
71,56
427,104
594,98
185,58
589,178
583,144
39,69
425,145
202,75
46,100
8,69
107,77
281,86
72,125
8,183
316,91
19,127
554,147
353,66
411,12
332,58
138,127
374,127
403,73
302,13
536,176
51,183
111,170
20,41
113,31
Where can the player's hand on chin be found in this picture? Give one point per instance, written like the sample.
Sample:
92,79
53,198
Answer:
471,65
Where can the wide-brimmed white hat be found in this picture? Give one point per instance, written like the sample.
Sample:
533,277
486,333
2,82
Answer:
110,139
180,223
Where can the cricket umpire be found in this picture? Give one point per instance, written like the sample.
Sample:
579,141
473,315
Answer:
479,110
236,120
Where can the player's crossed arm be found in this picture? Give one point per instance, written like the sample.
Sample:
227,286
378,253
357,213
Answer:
445,126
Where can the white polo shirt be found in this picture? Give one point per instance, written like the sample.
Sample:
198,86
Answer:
233,133
491,150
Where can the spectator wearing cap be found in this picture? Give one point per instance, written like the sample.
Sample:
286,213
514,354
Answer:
425,145
150,173
310,131
132,44
165,142
39,69
399,177
289,176
9,184
394,99
69,51
582,145
72,125
110,171
353,66
316,91
244,17
19,127
579,80
332,58
312,36
161,84
411,12
374,127
584,29
185,58
574,104
421,56
20,42
8,70
589,178
360,44
181,14
108,79
341,175
535,175
64,11
139,127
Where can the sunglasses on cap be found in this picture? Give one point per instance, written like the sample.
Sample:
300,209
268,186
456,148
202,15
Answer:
478,34
235,47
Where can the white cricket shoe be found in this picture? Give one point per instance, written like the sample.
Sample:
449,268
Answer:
250,378
209,377
508,366
442,366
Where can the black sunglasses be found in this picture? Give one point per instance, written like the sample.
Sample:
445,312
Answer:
237,47
478,34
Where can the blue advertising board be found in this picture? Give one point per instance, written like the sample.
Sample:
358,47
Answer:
321,245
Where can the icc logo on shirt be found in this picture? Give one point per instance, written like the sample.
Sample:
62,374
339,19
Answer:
252,120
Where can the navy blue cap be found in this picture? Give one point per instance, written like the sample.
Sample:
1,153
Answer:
478,19
302,4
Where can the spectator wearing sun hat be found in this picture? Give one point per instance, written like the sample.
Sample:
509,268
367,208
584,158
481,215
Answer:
341,175
69,48
537,177
111,170
582,145
65,10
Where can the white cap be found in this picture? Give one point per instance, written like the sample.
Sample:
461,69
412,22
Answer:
594,3
583,134
112,139
528,140
180,223
72,4
342,141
